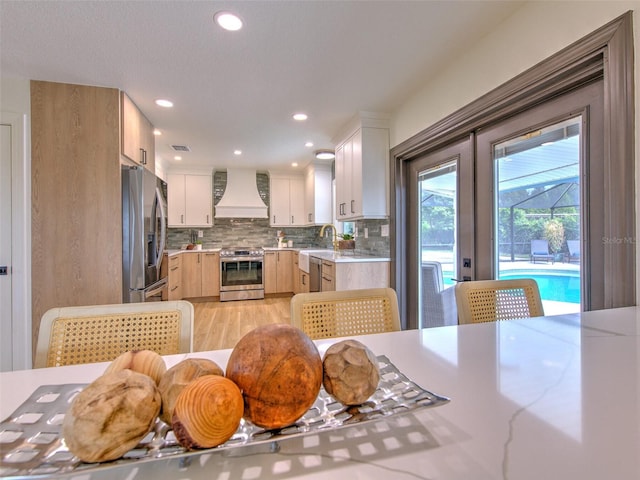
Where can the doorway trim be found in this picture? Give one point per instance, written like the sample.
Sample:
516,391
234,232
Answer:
606,53
20,315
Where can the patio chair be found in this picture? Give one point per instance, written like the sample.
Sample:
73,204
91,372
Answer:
574,250
346,312
540,251
99,333
438,303
492,300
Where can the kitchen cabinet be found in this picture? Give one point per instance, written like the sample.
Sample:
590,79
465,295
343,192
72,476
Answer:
211,274
191,274
278,266
76,219
300,277
190,198
362,189
354,275
317,194
327,278
138,141
286,202
172,269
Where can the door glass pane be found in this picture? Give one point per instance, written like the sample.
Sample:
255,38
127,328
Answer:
537,184
437,243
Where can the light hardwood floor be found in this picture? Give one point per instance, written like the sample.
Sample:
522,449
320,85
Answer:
219,325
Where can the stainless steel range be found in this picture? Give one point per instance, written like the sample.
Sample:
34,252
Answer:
241,273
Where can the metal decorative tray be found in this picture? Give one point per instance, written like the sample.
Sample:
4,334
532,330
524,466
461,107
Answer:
31,444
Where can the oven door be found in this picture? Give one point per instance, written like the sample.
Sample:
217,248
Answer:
241,273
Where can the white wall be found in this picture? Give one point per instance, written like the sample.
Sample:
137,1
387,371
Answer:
15,107
533,33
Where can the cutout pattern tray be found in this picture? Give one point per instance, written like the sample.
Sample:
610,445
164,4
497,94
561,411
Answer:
31,445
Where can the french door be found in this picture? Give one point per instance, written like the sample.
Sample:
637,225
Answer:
538,176
439,228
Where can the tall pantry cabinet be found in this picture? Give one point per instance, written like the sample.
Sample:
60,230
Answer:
76,219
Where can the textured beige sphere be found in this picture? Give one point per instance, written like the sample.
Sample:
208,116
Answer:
111,415
351,372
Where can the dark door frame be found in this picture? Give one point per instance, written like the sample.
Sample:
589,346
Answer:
606,53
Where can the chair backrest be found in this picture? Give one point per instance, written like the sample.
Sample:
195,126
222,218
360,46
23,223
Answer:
539,247
574,247
438,303
491,300
345,313
100,333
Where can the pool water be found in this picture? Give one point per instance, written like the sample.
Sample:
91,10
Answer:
560,287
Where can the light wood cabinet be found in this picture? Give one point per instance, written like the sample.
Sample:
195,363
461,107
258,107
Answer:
303,281
211,274
191,274
76,220
278,267
362,189
190,198
172,269
317,191
327,276
286,203
138,141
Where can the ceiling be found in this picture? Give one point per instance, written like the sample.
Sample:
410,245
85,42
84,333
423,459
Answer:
239,90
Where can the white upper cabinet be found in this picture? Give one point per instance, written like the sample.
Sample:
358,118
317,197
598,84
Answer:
362,186
317,191
286,193
190,200
138,141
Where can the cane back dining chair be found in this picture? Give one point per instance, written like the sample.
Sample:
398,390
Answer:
346,312
100,333
491,300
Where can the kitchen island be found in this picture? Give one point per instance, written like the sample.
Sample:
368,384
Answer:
543,398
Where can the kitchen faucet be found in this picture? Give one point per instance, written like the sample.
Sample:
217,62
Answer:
335,234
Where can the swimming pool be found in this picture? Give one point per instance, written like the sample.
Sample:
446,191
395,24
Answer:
559,286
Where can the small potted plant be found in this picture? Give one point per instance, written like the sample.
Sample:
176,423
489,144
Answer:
346,242
198,244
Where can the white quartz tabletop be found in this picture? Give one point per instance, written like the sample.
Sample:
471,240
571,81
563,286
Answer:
542,398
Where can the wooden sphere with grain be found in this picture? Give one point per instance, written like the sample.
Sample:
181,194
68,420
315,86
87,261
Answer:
111,415
147,362
178,377
351,372
279,370
207,412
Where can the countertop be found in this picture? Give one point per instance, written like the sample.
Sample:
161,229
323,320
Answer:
542,398
326,254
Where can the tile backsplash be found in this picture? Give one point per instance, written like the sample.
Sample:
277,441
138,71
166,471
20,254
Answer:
248,232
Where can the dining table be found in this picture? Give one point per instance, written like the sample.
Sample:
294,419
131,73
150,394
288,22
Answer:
552,397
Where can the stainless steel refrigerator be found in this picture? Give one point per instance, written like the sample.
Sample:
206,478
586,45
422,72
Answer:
144,231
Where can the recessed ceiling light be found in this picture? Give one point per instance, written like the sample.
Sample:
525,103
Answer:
157,132
308,144
177,157
228,21
237,152
294,164
161,102
325,155
300,116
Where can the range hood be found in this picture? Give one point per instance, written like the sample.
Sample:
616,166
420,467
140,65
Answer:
241,198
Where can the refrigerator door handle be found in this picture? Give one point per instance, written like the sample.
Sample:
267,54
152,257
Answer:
163,228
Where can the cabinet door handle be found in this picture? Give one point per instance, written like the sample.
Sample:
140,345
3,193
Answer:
143,156
292,219
352,210
207,219
304,277
274,219
181,218
309,217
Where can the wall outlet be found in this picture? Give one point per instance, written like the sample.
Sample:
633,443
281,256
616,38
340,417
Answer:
384,230
200,234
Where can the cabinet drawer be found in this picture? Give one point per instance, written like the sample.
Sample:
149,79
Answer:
328,269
